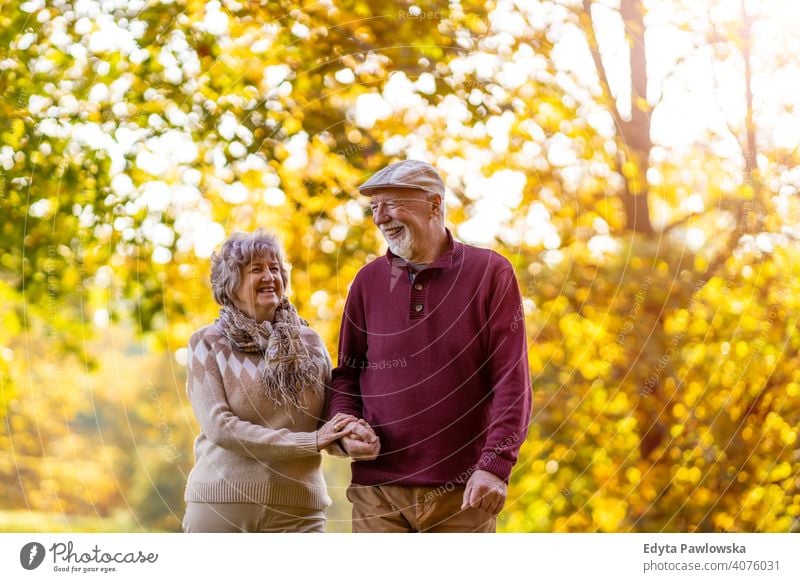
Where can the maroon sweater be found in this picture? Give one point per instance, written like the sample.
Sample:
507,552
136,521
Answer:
438,367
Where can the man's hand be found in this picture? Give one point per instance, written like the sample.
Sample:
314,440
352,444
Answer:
485,491
361,443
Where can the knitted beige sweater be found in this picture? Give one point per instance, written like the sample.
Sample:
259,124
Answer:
248,449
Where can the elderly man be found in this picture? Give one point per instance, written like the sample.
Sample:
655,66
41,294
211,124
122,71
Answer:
432,357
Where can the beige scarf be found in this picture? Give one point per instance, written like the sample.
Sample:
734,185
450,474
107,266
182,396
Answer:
290,368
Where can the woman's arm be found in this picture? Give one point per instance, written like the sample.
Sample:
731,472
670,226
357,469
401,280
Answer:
222,427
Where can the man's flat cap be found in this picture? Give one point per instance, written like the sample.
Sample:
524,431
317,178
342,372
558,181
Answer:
409,174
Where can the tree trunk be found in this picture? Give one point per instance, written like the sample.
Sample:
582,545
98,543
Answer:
633,135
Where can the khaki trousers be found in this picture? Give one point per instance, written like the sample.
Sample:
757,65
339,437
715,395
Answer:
393,509
251,517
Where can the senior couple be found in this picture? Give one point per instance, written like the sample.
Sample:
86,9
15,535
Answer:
432,442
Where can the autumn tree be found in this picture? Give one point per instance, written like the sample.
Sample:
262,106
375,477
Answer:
659,281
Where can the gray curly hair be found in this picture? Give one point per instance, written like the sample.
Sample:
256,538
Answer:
239,250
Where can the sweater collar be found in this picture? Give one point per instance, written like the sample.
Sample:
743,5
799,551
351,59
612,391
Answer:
453,253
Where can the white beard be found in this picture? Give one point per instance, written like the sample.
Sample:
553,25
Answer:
399,246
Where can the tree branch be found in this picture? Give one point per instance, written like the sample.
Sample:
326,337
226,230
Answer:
587,23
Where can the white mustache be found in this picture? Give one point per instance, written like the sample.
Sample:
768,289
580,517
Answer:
393,224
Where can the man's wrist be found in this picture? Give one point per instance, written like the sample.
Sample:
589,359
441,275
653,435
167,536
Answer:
496,465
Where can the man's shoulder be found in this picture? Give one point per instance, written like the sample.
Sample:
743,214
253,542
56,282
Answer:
374,268
486,258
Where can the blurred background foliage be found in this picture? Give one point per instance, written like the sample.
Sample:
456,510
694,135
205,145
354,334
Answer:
636,161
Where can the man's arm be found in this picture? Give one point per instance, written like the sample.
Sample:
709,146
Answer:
510,408
362,444
346,388
507,359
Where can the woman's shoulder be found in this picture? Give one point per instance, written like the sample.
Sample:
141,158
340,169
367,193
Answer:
310,336
314,342
209,334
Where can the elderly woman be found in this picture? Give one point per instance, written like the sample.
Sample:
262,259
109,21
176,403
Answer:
257,383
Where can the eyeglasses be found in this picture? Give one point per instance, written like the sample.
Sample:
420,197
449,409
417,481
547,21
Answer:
394,204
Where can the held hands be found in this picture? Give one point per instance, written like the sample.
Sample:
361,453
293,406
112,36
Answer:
355,436
334,429
361,443
485,491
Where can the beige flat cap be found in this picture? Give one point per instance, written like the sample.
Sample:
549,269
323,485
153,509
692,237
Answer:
410,174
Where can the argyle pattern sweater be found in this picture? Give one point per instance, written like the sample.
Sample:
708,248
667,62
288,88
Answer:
249,450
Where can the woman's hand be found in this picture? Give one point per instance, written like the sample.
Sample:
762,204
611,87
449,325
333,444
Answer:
334,429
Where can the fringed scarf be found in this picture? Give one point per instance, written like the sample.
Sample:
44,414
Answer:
290,368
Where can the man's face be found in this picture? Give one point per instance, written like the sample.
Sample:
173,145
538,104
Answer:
405,218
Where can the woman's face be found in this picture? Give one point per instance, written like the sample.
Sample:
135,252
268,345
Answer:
260,289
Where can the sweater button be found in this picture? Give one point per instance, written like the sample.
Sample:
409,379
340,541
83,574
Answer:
418,286
418,307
